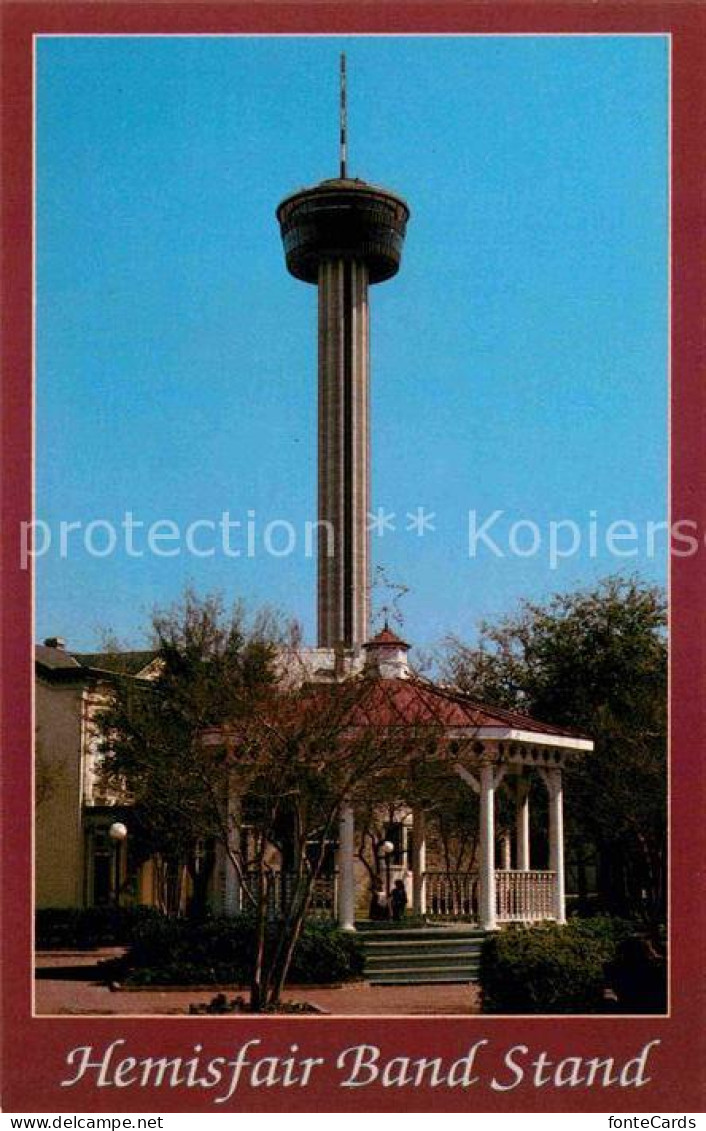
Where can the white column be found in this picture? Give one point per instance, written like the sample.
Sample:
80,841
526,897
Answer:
522,826
556,839
419,863
488,917
505,852
346,869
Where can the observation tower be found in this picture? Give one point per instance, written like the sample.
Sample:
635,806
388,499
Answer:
343,235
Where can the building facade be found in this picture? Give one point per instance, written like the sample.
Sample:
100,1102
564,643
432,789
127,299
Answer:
77,863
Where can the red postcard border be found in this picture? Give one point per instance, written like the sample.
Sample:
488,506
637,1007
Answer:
34,1049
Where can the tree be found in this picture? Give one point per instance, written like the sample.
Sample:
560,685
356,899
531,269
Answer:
297,764
211,664
229,724
594,660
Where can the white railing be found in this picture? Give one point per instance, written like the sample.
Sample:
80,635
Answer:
451,895
520,897
324,898
279,885
525,897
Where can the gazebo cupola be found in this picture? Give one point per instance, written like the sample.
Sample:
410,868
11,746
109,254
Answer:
386,655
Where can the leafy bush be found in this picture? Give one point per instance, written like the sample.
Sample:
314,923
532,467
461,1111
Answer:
605,929
84,928
200,942
219,951
550,968
324,954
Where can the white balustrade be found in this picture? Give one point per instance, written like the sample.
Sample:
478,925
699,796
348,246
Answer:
520,897
451,895
525,897
323,900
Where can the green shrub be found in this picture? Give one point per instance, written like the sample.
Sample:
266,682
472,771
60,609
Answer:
324,954
201,942
219,951
604,929
84,928
549,968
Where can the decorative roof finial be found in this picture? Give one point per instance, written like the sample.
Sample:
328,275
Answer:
343,119
388,611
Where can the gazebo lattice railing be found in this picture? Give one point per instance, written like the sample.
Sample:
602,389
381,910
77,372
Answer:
526,896
520,896
324,895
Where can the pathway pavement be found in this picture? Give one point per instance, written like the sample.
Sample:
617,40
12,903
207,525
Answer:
69,984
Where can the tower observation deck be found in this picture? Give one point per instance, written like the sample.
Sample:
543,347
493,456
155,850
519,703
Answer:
343,235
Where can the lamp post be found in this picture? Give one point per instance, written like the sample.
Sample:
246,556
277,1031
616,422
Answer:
117,833
386,850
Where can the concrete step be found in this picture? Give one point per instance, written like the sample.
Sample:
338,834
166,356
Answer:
421,968
385,961
431,957
421,978
383,946
422,955
379,934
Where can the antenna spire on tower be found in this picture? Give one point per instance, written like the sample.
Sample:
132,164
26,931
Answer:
344,118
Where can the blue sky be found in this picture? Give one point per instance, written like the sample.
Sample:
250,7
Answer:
518,360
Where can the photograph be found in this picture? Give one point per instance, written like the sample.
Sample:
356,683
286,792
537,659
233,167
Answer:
355,543
405,723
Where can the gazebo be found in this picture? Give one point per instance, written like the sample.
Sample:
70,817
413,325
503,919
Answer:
488,748
484,749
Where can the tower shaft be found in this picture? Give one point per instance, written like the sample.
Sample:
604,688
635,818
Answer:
344,453
343,236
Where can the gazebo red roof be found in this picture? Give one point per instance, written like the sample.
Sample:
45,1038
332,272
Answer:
414,702
391,703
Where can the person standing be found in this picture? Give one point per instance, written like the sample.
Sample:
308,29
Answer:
399,901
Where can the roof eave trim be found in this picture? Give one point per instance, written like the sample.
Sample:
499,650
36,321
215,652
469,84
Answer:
527,737
536,738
